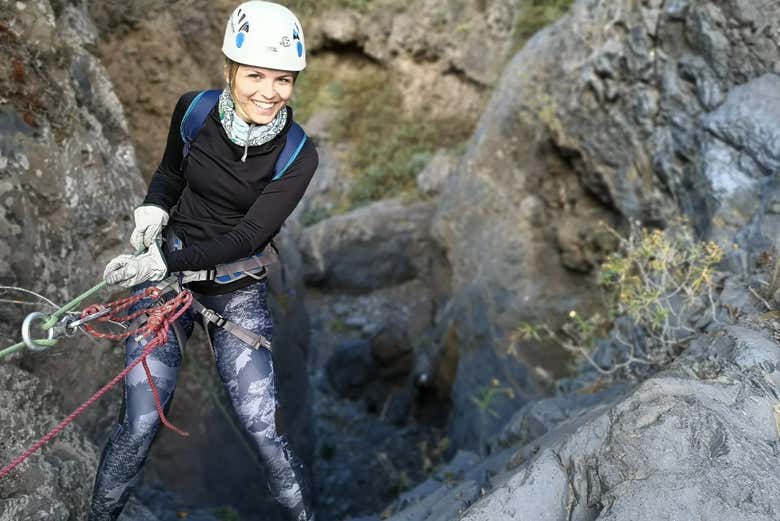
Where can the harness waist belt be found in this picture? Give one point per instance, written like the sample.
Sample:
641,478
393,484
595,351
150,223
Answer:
253,266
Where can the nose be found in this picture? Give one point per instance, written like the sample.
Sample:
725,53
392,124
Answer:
267,89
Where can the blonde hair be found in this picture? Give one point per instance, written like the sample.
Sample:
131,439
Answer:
232,70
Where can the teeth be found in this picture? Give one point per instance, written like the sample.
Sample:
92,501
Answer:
264,106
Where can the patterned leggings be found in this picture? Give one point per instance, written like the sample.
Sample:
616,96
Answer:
248,377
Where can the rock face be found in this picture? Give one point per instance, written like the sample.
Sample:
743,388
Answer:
620,111
55,483
460,47
68,183
698,440
69,179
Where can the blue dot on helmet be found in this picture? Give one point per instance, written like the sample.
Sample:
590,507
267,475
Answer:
300,49
240,39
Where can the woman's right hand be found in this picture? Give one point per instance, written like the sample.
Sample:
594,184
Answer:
130,270
149,222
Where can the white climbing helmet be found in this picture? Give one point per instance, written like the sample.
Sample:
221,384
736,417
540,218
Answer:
265,34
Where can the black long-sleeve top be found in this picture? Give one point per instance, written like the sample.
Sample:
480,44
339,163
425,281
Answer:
225,209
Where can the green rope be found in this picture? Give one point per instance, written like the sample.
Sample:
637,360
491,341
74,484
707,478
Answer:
18,347
53,319
57,315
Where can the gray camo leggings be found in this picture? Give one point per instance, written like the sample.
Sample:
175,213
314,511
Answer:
249,379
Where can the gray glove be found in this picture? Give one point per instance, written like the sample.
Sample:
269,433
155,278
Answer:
129,270
149,222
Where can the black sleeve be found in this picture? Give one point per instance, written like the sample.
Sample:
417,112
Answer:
168,182
261,222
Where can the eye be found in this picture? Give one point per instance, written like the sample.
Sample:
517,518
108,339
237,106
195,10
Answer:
285,80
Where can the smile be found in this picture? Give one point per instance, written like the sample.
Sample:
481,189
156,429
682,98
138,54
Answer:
263,106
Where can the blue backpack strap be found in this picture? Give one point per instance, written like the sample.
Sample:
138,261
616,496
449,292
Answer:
296,137
195,117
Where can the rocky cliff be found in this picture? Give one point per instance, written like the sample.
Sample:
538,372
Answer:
620,112
68,179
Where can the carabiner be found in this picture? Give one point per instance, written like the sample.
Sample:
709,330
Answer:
28,340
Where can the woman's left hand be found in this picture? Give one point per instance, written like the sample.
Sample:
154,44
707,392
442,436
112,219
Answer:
129,270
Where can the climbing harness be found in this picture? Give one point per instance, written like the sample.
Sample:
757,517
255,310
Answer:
154,330
253,266
210,316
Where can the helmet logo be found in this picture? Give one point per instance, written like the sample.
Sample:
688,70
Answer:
297,38
241,34
285,42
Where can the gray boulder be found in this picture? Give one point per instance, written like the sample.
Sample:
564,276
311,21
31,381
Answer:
740,161
351,368
382,244
698,440
541,416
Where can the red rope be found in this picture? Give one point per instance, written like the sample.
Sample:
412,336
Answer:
160,319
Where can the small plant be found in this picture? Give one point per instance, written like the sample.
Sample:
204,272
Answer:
488,394
663,281
226,513
484,399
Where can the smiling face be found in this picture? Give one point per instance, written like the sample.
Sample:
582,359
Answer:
258,93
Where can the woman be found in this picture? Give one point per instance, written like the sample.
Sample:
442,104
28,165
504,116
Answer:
219,198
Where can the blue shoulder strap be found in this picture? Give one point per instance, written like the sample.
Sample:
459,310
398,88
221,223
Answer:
195,117
296,137
199,109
